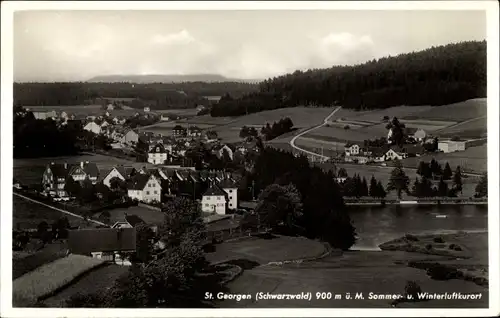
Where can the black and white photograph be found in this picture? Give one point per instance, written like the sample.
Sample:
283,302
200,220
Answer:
238,160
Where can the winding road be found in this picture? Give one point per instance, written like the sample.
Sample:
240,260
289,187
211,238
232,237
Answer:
325,121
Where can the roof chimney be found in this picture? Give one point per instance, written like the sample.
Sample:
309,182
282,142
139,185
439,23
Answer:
81,164
65,165
52,163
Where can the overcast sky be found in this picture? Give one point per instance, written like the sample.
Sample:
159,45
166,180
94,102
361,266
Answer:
77,45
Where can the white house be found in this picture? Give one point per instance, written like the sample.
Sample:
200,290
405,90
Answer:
104,124
144,187
164,118
229,186
130,137
157,154
110,107
214,200
351,149
45,114
93,127
391,154
64,116
119,172
451,146
147,109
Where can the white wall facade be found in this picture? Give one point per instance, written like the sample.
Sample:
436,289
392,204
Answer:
213,203
112,174
232,195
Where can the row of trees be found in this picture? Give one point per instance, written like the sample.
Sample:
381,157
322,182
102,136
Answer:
156,96
37,138
278,128
433,170
436,76
357,187
283,181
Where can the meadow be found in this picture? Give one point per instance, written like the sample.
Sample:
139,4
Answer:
458,112
97,280
474,128
48,278
27,215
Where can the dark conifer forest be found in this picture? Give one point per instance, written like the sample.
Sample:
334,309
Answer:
155,95
435,76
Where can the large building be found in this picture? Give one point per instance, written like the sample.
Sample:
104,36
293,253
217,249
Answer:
451,146
55,175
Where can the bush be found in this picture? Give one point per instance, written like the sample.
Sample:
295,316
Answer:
411,237
412,289
441,272
85,301
428,247
438,239
455,247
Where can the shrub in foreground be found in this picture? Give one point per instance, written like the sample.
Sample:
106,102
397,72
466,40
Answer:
412,289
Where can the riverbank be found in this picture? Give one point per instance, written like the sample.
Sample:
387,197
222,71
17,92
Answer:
466,254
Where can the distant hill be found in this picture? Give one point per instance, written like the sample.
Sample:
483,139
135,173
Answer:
157,78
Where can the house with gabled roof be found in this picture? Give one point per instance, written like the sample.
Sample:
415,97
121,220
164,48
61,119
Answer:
229,186
93,127
351,149
121,172
145,188
157,154
130,137
103,243
221,149
214,200
55,175
127,221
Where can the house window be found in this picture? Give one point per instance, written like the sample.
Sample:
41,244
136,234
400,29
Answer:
206,204
219,198
156,192
230,204
230,191
147,192
230,198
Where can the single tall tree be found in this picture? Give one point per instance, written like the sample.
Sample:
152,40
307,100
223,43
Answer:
447,173
373,187
398,180
457,180
442,188
482,186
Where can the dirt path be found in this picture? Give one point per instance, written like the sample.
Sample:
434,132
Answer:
325,121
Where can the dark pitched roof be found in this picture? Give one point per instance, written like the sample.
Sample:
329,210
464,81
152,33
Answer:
178,127
91,169
133,219
58,170
85,241
138,182
215,190
227,183
158,148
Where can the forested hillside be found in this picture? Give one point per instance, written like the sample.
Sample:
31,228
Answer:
436,76
157,95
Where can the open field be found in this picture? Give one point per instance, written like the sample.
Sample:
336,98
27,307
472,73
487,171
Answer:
50,277
263,251
208,120
473,159
454,112
149,216
31,261
96,281
377,116
27,215
475,128
178,112
353,272
340,134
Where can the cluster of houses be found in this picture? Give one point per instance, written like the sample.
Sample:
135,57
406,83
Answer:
147,185
354,152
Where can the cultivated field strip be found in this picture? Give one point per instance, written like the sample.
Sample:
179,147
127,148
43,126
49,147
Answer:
51,277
